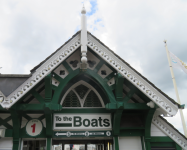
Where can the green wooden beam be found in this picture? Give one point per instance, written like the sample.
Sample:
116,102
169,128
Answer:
37,96
116,121
119,87
177,147
9,133
4,122
62,85
38,107
99,65
16,120
104,85
116,143
66,65
128,96
132,132
132,98
148,121
49,142
49,122
26,116
57,77
48,88
127,106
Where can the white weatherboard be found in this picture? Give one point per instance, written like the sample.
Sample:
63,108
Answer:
82,122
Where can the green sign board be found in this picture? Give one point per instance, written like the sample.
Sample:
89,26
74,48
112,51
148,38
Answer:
61,134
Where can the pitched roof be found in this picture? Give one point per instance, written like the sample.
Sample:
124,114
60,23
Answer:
149,89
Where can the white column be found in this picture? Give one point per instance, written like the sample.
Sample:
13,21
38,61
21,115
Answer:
83,36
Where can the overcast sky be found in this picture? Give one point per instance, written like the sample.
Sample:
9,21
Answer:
31,30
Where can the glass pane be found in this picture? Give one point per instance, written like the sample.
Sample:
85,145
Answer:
91,147
74,147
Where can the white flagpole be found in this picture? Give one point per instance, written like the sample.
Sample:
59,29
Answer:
176,91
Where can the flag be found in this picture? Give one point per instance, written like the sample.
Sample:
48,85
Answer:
177,63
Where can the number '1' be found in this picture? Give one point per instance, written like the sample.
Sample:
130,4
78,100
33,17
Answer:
33,128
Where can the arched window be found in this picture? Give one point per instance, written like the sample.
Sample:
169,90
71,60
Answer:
82,94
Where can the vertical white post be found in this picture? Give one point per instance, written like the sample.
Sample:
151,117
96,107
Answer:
83,36
176,91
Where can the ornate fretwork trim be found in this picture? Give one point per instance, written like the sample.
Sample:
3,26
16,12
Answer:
169,131
41,72
132,76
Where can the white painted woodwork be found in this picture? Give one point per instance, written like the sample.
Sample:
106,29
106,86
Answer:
83,36
55,82
59,68
73,57
155,131
130,143
169,131
107,69
138,81
82,100
92,57
6,144
111,82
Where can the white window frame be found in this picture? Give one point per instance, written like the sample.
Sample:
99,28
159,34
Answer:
90,88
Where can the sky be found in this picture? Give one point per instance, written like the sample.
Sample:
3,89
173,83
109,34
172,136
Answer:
31,30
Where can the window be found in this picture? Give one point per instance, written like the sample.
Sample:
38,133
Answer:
82,94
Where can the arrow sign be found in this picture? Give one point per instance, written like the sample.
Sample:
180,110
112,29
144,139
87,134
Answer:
57,134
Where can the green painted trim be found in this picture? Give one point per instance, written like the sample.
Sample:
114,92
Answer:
57,77
133,99
116,122
26,116
161,139
48,88
9,133
147,145
177,147
84,110
16,120
30,107
41,117
119,87
66,65
148,121
16,143
163,144
116,143
142,142
98,67
128,96
62,85
104,85
127,128
132,132
128,106
37,96
110,76
48,147
4,122
49,123
54,87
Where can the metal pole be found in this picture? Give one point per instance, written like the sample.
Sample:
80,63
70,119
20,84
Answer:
176,91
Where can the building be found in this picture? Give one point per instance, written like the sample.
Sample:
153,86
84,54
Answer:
85,97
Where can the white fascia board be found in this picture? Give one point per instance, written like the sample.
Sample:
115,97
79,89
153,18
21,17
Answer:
169,131
157,97
41,72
